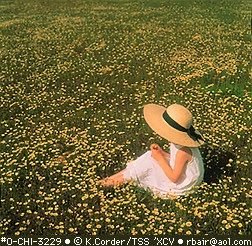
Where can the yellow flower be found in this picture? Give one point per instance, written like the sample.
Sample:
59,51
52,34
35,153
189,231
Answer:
227,226
88,226
235,221
189,223
180,229
240,225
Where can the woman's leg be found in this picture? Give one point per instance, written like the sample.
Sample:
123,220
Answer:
114,179
136,169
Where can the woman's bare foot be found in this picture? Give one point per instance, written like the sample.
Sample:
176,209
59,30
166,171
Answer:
116,179
106,182
113,180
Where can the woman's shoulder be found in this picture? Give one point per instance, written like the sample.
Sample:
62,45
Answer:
181,147
184,151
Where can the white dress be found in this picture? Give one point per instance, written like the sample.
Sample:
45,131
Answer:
148,174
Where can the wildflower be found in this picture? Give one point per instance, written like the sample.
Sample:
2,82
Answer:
227,226
188,223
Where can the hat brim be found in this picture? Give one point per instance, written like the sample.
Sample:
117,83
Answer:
153,116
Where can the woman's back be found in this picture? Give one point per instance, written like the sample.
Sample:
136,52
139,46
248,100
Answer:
194,170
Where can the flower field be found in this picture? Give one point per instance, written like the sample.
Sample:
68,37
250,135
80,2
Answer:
74,77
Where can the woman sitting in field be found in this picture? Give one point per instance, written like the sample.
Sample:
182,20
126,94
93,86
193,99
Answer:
163,173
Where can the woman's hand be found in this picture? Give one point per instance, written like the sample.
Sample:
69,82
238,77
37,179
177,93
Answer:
156,152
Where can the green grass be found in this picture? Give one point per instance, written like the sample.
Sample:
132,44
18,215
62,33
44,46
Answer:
74,78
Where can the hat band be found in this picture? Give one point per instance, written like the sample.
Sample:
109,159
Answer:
190,131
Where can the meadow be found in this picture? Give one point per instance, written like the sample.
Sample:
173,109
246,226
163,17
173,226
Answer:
74,78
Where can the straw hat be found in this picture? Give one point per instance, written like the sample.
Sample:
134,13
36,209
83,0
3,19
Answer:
173,123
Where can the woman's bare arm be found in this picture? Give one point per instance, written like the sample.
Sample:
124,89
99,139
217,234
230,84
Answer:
166,154
182,157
